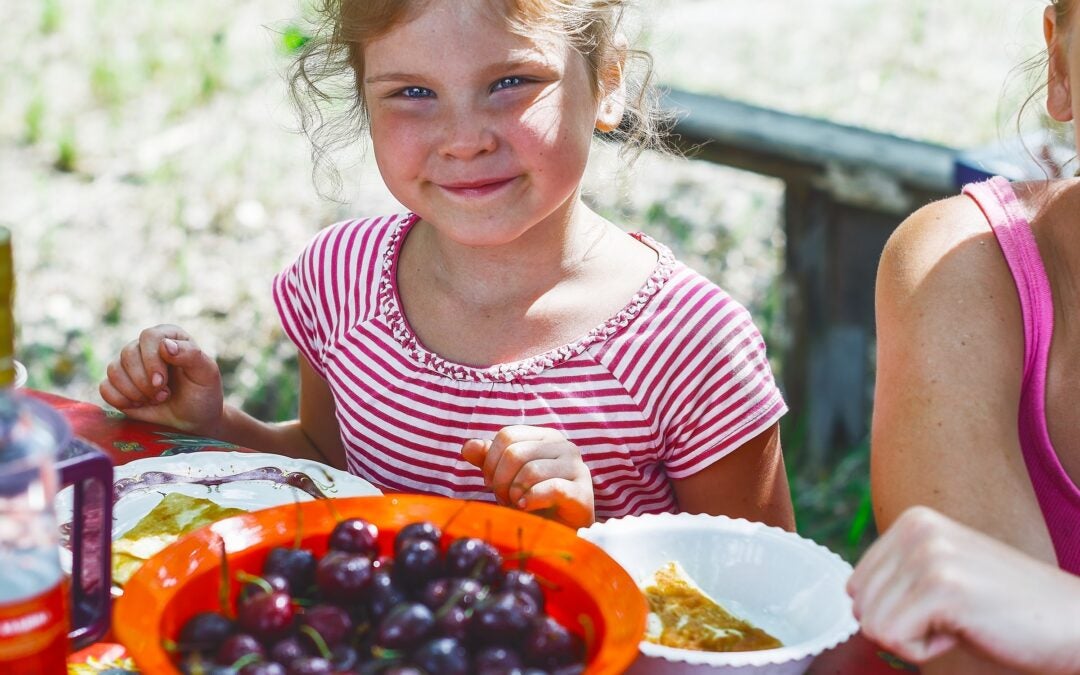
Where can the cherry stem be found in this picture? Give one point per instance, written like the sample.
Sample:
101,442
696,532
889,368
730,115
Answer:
299,523
333,510
224,586
384,654
320,643
453,600
525,555
589,629
453,517
245,660
521,547
245,578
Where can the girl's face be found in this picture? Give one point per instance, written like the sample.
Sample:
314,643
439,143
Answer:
1063,90
481,132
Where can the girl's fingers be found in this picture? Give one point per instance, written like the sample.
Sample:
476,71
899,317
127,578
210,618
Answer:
474,451
121,385
570,503
111,395
525,463
508,437
196,364
533,473
132,364
155,370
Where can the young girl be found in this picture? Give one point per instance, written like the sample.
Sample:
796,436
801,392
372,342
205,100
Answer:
978,314
499,341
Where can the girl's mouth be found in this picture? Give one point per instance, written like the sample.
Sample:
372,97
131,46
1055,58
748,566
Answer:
477,188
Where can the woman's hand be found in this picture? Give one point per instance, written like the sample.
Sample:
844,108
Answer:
930,583
165,378
534,469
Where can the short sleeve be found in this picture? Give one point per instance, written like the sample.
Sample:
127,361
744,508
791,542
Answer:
296,305
724,393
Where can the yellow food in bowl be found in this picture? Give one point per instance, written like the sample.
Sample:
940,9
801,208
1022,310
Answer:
174,516
682,615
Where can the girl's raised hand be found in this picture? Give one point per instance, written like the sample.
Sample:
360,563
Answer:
930,583
535,469
165,378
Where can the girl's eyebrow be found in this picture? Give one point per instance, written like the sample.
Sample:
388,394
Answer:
493,69
392,77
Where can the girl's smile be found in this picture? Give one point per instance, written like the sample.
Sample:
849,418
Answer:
483,132
478,189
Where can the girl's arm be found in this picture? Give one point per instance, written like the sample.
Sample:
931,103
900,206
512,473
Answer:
316,435
164,377
949,362
748,482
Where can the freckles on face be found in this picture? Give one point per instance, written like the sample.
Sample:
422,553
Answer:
472,124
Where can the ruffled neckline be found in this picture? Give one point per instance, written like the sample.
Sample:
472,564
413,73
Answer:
390,308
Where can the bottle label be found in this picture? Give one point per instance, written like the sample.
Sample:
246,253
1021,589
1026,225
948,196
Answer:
35,629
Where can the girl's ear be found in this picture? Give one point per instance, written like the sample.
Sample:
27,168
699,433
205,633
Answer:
613,87
1058,95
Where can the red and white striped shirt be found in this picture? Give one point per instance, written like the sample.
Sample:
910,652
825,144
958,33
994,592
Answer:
670,384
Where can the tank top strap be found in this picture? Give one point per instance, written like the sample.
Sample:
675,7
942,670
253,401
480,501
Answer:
1003,211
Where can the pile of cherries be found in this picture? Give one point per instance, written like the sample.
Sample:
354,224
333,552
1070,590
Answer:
423,610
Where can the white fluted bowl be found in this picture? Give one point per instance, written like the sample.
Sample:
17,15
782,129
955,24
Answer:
785,584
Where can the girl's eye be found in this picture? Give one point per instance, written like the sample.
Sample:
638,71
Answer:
507,82
416,92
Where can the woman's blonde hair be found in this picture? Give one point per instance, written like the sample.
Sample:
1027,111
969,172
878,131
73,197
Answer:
326,78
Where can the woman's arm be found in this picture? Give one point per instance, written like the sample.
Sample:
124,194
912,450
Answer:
748,482
949,364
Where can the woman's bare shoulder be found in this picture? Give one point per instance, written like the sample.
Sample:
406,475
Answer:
949,367
943,262
928,236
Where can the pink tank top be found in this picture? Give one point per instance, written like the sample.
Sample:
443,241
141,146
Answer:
1059,497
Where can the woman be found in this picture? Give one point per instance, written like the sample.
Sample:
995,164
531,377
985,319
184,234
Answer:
978,310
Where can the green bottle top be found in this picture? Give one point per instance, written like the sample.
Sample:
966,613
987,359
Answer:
7,316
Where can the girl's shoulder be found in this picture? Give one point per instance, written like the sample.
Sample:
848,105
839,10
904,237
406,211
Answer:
698,314
369,232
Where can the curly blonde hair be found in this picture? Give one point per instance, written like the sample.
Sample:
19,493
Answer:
325,79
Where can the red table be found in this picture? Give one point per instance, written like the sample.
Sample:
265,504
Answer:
125,440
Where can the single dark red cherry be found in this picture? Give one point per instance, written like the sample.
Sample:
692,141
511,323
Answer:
205,632
419,530
267,616
344,577
355,535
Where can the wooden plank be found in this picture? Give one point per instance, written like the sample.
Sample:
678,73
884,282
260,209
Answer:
789,146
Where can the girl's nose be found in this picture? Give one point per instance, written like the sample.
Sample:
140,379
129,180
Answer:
467,133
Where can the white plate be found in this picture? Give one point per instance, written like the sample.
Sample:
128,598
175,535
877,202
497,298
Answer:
251,495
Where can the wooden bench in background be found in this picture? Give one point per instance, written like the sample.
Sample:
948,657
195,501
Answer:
846,189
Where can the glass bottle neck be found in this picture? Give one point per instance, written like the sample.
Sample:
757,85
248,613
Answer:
7,316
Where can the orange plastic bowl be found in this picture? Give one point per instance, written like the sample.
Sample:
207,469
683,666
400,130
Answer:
590,592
